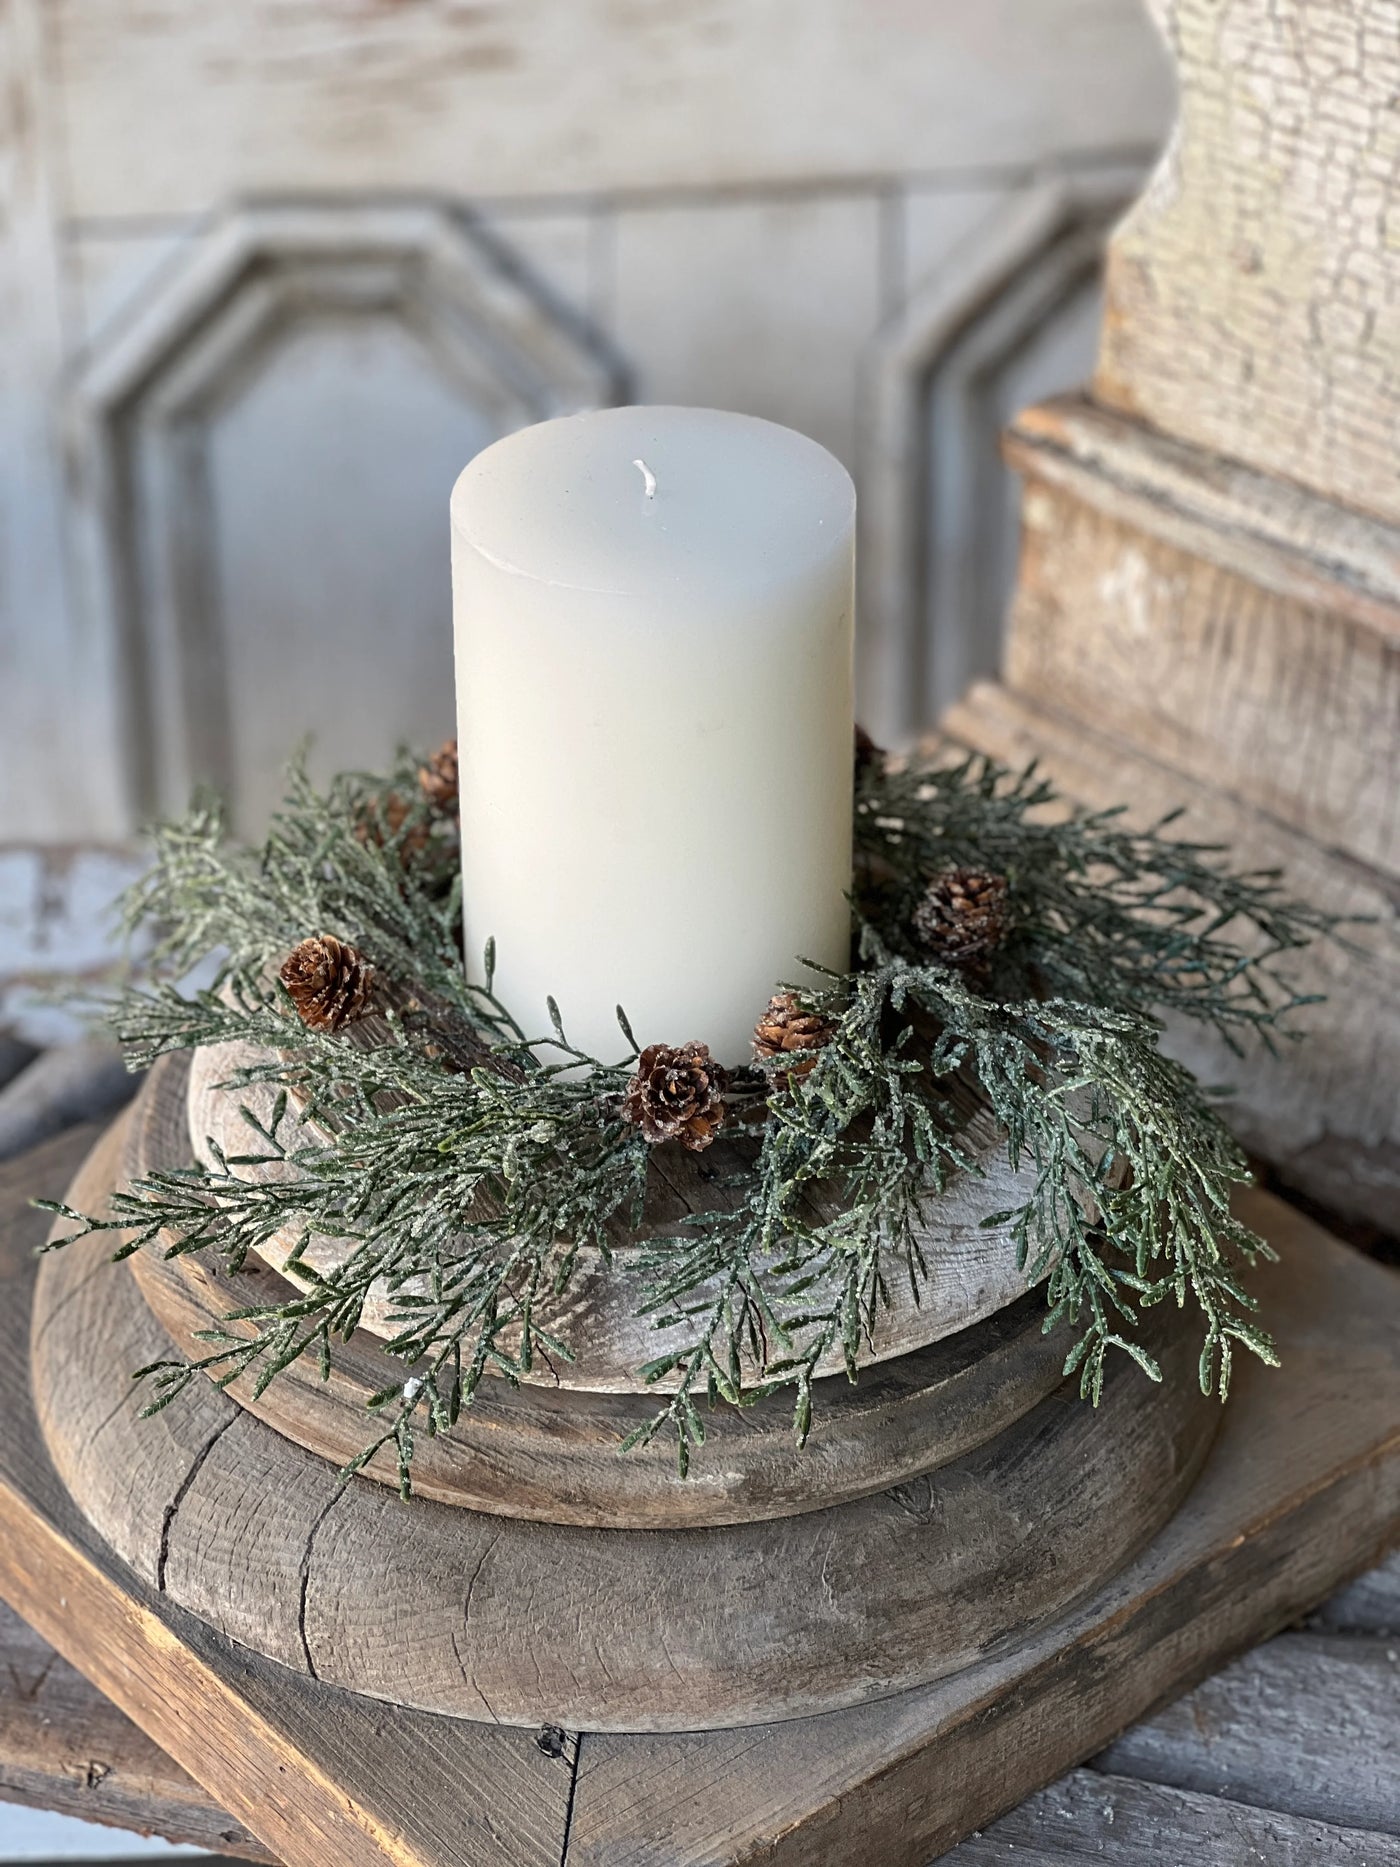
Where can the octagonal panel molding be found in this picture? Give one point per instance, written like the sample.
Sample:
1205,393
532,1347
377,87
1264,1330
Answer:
1016,317
262,452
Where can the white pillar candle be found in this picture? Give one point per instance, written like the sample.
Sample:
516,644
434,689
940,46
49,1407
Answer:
653,616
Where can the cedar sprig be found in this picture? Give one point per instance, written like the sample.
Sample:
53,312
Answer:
1102,914
469,1161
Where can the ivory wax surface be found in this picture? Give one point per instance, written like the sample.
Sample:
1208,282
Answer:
654,701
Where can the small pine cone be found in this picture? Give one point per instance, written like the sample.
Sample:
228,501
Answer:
329,982
869,756
963,915
785,1027
438,778
384,819
676,1095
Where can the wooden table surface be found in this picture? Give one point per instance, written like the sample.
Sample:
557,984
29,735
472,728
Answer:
1289,1756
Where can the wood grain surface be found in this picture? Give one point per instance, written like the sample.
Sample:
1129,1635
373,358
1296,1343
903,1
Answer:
1303,1488
63,1746
436,1607
972,1268
1288,1757
1122,1823
1304,1725
1211,567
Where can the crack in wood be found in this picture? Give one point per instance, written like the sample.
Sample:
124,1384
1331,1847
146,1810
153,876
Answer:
304,1575
167,1521
569,1803
30,1692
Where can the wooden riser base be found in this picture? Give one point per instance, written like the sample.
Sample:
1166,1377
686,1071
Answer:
487,1617
1303,1488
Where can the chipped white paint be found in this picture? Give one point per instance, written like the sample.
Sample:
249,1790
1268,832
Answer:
521,98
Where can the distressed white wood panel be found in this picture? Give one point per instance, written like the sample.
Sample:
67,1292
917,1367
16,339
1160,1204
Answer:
562,251
1039,337
1009,310
937,224
267,443
328,482
113,273
51,678
1255,289
757,305
173,107
55,928
118,265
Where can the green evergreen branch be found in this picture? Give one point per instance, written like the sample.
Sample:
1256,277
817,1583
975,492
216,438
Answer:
463,1164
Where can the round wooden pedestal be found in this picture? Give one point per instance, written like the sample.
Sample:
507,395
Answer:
550,1454
1013,1499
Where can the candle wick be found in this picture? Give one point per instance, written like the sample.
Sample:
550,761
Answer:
648,478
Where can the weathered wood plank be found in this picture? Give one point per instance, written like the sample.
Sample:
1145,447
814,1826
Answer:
1272,532
63,1746
71,1083
1309,1725
1369,1605
1123,1823
1126,594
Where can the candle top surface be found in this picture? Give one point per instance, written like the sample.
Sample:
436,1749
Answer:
644,502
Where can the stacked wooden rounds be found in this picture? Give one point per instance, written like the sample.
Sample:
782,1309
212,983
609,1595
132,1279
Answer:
540,1577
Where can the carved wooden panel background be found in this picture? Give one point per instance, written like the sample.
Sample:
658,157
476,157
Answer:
1016,318
274,272
264,454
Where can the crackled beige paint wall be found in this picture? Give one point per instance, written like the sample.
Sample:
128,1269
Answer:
1254,295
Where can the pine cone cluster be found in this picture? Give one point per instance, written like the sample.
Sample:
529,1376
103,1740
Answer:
329,981
438,779
382,820
677,1094
963,916
785,1027
869,756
